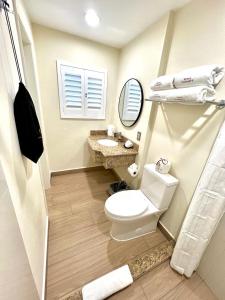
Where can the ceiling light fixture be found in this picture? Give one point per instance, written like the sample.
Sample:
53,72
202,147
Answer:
92,18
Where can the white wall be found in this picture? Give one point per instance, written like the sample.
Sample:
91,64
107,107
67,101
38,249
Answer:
32,79
212,266
17,284
141,59
23,177
67,138
185,134
198,39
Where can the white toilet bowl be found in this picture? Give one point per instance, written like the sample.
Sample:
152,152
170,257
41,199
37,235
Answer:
134,213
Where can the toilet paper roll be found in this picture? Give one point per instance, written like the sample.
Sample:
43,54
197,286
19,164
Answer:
133,170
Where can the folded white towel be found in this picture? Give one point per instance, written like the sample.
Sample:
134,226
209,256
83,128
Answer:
108,284
162,83
197,94
209,75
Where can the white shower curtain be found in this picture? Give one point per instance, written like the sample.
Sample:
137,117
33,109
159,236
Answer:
205,211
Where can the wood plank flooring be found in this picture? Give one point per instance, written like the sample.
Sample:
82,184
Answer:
81,249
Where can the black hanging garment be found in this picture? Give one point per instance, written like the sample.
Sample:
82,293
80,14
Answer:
27,125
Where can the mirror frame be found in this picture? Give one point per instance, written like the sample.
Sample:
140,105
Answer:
142,102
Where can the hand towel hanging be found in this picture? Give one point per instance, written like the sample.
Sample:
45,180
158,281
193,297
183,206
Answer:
28,128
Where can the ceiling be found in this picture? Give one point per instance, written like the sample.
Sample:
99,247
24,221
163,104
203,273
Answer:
120,20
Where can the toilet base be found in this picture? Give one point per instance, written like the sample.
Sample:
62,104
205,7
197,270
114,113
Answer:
128,230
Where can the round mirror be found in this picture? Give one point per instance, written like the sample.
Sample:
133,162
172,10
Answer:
130,102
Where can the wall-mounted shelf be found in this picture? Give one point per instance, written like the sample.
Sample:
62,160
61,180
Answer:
219,104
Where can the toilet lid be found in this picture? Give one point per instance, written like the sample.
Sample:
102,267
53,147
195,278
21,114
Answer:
127,203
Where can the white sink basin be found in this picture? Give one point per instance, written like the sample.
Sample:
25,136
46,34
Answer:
107,143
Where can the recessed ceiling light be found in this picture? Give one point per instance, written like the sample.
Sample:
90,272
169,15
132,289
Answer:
92,18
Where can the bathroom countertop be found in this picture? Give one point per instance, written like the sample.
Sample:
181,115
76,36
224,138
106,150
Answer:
118,150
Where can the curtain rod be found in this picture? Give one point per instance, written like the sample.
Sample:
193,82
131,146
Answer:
219,104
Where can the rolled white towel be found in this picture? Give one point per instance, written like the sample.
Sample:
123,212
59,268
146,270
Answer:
108,284
162,83
197,94
209,75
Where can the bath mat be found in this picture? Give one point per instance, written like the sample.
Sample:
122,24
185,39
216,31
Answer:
139,265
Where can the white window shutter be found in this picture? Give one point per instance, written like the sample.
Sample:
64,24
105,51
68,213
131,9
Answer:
132,101
72,91
82,92
95,94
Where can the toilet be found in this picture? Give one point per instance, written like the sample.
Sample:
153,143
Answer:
134,213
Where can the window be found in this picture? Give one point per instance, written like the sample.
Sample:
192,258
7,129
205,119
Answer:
82,92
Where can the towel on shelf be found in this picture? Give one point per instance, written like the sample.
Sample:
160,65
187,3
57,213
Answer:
209,75
162,83
108,284
197,94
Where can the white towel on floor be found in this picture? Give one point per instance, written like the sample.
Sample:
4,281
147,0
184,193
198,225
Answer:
209,75
108,284
197,94
162,83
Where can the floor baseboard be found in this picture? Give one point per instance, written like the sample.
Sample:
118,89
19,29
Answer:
165,231
45,260
78,170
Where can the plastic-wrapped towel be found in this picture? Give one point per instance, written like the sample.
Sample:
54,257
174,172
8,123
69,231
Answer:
108,284
209,75
162,83
204,213
197,94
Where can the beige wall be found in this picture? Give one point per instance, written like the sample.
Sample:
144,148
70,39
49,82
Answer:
198,39
32,80
185,134
67,138
140,59
212,266
20,284
22,176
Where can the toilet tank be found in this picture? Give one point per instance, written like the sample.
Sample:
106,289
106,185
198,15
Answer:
158,188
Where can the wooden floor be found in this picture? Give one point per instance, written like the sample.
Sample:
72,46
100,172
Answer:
81,249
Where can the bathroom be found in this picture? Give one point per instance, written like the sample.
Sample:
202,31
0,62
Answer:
60,237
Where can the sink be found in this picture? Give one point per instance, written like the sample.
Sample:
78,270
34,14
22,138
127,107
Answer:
107,143
109,152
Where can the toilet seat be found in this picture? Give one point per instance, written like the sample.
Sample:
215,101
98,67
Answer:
128,204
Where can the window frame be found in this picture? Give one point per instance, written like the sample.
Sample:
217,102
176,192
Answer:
70,115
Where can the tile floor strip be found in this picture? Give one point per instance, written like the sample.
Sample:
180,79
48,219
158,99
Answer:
150,259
